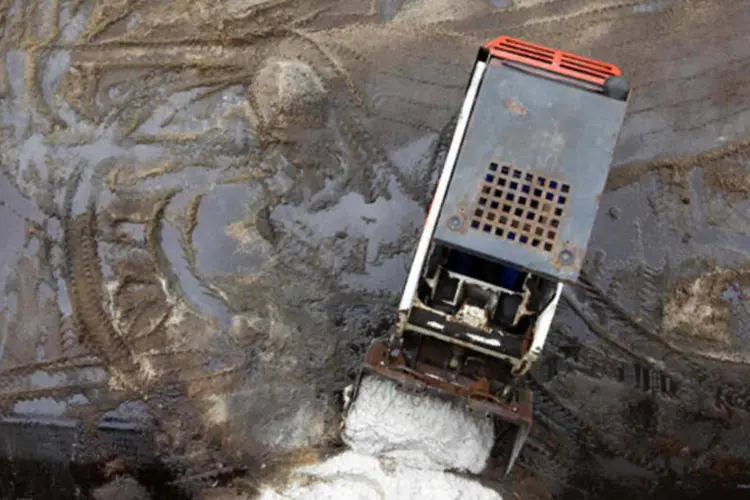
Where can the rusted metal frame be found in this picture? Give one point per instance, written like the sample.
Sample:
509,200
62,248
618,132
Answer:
424,376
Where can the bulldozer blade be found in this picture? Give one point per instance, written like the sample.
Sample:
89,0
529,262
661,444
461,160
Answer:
422,377
350,394
523,432
521,436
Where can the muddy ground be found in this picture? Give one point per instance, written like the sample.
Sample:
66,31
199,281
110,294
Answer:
207,210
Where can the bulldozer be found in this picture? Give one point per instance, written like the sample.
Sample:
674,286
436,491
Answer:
507,228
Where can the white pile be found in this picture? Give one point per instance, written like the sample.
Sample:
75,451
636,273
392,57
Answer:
401,448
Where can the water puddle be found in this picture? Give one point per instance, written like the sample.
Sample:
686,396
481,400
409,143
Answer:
72,27
739,298
656,6
217,251
131,411
99,154
413,160
167,111
56,65
78,400
501,4
191,288
389,8
188,178
43,380
386,226
41,406
618,468
200,110
389,275
133,230
14,211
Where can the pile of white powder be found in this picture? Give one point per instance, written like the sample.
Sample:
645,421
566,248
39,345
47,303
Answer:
401,448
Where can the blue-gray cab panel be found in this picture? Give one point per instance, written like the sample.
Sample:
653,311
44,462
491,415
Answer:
530,172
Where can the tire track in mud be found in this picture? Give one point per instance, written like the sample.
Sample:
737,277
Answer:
697,385
630,173
585,10
546,18
153,238
592,442
549,455
19,376
84,280
8,399
172,382
553,413
607,307
106,14
376,168
576,356
633,338
185,365
631,334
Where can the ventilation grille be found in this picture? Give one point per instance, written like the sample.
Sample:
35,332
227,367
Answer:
520,206
556,61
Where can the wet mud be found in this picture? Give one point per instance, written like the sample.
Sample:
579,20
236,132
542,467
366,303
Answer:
210,207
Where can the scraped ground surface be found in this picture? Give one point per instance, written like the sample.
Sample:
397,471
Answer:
401,447
208,207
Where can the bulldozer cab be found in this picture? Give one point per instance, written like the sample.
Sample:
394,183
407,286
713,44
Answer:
507,227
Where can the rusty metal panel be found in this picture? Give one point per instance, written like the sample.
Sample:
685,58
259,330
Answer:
531,171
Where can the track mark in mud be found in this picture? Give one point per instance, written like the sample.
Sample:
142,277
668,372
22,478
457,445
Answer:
588,11
549,406
106,14
153,237
530,21
32,58
57,364
214,383
664,320
198,291
580,357
8,399
188,227
14,378
50,22
639,377
610,313
623,175
735,397
368,158
85,287
338,66
649,293
697,385
358,136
